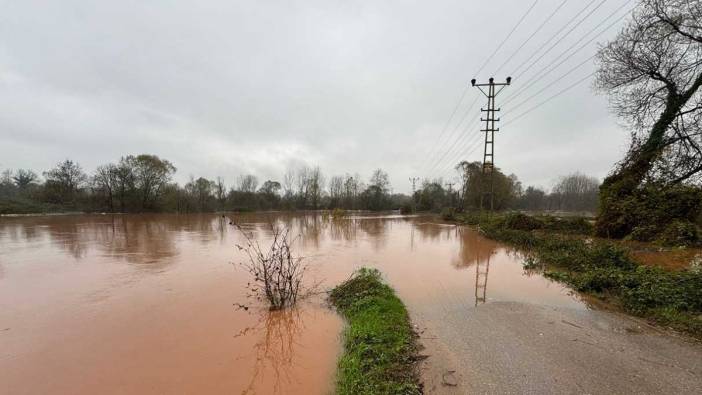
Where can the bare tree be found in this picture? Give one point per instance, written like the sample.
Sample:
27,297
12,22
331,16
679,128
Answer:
315,187
23,178
576,192
124,178
336,191
220,191
652,72
105,182
288,183
248,183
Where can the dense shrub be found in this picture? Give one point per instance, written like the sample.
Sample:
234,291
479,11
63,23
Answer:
519,221
574,225
643,233
448,213
679,233
650,207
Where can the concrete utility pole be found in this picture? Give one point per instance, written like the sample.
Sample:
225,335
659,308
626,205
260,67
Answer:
413,180
489,152
450,188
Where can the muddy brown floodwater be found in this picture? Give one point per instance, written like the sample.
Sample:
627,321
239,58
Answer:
145,303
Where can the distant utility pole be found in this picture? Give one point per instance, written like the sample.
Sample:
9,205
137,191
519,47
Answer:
489,152
413,180
450,188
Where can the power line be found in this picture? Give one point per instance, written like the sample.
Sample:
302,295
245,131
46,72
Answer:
508,36
452,146
534,53
446,125
434,155
552,82
546,70
531,36
569,87
457,153
465,151
562,37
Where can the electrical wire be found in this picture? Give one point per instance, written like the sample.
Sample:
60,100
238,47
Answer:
531,36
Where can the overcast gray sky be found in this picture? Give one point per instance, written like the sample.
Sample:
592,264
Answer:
231,87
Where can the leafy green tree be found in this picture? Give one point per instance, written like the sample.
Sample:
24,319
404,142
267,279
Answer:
150,175
432,196
376,196
270,193
506,189
203,193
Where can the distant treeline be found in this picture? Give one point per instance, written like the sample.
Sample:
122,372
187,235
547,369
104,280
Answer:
143,183
574,192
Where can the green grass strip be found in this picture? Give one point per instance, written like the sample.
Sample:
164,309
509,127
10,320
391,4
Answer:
380,348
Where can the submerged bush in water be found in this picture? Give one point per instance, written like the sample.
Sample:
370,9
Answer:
277,273
338,213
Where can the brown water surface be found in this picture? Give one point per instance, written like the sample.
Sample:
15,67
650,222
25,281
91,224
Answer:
144,303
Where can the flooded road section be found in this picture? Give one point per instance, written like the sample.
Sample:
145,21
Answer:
145,304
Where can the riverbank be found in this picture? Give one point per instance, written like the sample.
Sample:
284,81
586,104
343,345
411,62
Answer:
380,346
563,250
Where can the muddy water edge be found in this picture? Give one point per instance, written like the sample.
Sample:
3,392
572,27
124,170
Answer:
145,303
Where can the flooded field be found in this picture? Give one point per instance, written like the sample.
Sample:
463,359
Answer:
145,303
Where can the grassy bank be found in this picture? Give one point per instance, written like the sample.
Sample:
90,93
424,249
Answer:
600,268
380,349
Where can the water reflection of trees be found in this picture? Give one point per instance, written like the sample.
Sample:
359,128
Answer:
278,334
343,229
313,228
140,239
143,238
432,232
377,229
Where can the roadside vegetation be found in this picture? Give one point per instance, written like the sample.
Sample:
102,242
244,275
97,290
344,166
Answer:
380,348
565,251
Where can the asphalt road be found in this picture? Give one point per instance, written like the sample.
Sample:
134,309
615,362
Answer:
522,348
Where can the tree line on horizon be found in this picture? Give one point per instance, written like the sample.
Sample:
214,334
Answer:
144,183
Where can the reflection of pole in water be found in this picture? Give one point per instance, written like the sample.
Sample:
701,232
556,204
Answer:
412,238
482,268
